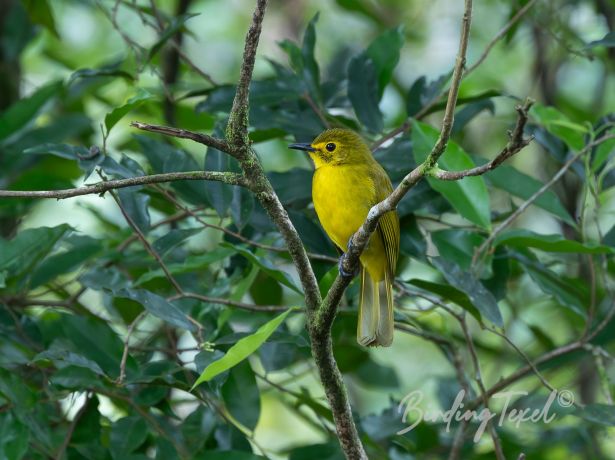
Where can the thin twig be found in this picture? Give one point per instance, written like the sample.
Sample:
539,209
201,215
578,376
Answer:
105,186
146,244
516,143
239,236
509,25
131,328
230,303
71,429
497,444
204,139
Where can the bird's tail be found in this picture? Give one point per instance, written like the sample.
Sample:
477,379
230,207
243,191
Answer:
375,326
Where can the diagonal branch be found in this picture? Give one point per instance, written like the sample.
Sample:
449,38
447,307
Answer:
102,187
516,143
204,139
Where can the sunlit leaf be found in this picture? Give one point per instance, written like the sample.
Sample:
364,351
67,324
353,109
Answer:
242,349
118,113
468,196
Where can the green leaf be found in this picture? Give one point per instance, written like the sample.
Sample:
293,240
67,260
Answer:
242,206
602,153
607,41
176,24
191,265
242,349
572,294
23,111
266,266
173,238
65,262
106,71
449,293
14,437
422,94
28,248
559,125
127,434
62,357
159,307
598,413
550,243
518,184
330,451
310,71
469,111
219,194
227,455
468,196
118,113
241,396
95,340
457,245
165,158
40,13
384,52
363,91
86,160
481,298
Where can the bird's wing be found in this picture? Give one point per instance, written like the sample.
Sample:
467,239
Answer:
388,226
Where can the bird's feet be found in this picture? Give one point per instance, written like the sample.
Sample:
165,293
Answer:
340,264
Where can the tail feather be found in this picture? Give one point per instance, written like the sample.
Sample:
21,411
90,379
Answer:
375,326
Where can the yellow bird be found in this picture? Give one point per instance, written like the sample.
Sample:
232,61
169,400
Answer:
346,184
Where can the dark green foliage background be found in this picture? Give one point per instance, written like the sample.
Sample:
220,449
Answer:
71,291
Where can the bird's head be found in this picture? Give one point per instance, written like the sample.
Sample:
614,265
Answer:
336,147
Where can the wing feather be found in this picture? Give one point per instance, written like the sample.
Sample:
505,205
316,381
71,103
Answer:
388,226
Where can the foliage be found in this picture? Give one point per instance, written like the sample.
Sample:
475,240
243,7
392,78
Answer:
107,328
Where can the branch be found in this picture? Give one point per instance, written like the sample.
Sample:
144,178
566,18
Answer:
204,139
230,303
237,128
102,187
516,143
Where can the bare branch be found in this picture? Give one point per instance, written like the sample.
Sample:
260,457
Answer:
516,143
497,444
148,247
230,303
131,328
237,128
102,187
204,139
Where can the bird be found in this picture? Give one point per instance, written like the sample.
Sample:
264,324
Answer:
347,182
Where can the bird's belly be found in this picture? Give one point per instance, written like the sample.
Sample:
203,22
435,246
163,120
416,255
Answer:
342,201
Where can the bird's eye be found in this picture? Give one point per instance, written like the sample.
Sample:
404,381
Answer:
330,146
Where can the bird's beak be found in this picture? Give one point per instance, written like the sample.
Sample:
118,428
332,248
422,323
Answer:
307,147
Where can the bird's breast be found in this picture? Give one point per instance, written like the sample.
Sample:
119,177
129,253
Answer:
342,198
